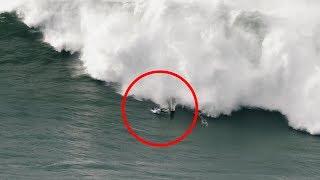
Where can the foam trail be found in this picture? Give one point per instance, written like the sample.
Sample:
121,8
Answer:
254,53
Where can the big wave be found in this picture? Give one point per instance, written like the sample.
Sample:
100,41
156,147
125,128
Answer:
252,53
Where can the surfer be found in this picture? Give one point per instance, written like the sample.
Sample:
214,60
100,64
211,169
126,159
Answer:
171,108
203,121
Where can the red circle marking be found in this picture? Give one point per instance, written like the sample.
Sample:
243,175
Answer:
148,142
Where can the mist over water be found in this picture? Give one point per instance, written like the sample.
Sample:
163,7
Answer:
249,53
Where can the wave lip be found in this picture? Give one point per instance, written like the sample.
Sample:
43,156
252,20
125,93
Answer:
236,53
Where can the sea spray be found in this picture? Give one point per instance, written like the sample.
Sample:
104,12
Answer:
261,54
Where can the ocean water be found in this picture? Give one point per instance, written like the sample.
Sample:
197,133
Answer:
56,122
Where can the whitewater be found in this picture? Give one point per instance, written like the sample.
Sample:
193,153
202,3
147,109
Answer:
244,53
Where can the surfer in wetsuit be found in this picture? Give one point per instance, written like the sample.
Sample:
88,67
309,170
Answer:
203,121
171,107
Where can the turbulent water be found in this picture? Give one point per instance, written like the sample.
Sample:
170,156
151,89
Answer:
236,54
56,122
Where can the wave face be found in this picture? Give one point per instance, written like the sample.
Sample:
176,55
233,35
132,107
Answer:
254,53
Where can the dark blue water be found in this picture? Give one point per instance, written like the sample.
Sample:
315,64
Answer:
58,123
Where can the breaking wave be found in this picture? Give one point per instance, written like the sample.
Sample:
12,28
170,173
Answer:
255,53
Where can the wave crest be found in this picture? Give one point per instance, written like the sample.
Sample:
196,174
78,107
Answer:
237,53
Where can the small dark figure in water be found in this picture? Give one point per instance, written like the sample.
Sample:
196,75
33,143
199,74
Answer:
203,121
169,110
160,111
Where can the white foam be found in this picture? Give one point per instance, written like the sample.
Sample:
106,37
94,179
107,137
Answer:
255,53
